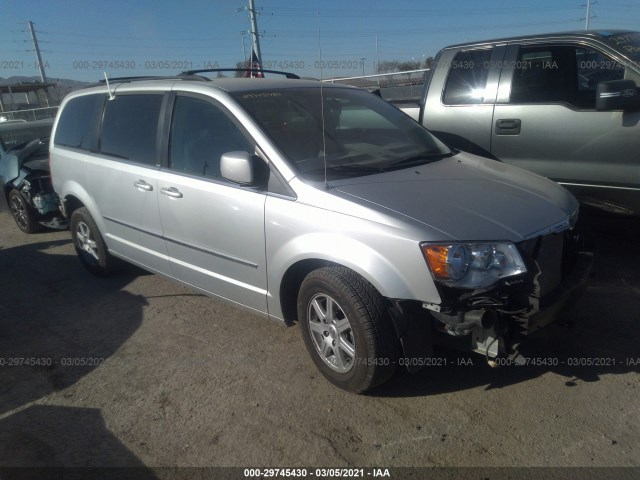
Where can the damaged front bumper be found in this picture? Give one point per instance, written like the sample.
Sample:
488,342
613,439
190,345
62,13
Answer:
494,322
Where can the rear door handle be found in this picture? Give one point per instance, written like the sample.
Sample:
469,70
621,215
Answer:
172,192
142,185
508,126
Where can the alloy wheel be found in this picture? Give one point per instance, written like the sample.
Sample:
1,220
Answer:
331,333
19,211
86,243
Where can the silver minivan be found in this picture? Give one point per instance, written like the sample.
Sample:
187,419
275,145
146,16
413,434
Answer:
316,204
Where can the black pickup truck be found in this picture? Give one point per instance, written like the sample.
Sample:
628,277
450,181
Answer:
565,106
24,175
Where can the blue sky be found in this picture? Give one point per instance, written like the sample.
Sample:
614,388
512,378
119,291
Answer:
81,39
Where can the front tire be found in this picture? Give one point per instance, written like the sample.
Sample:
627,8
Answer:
346,329
89,245
23,213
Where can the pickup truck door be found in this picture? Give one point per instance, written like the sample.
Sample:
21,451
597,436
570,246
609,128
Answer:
461,97
214,229
545,121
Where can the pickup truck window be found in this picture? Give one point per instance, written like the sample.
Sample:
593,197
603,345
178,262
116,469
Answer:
467,78
362,134
561,74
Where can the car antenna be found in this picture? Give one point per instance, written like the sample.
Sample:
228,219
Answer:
106,79
324,140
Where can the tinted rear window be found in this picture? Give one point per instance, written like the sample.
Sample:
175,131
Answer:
78,122
130,127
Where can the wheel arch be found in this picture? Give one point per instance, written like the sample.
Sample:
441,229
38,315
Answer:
292,281
73,197
71,204
295,274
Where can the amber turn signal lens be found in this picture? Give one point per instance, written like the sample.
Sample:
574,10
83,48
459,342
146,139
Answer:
436,257
447,262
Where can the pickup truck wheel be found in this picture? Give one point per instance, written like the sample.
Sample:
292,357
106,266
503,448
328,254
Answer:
346,329
22,213
89,244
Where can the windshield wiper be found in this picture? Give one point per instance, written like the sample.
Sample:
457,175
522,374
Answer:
354,167
348,168
419,159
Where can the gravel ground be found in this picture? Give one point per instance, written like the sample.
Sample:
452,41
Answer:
137,371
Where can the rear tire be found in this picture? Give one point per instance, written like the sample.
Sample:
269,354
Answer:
89,245
346,329
23,213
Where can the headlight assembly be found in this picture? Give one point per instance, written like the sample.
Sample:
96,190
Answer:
472,265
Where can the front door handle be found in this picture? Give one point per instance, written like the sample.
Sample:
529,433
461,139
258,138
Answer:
172,192
142,185
508,126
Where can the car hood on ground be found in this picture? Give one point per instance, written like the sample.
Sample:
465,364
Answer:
467,198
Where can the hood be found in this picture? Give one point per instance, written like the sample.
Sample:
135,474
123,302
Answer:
11,162
468,198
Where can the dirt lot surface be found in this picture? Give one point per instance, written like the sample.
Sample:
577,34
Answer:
135,370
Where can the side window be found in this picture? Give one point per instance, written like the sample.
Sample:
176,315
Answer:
200,133
130,127
78,122
467,78
595,67
561,74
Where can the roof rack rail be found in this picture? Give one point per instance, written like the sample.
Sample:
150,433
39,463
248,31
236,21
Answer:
149,77
257,70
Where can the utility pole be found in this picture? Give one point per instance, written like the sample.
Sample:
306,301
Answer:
586,27
589,17
377,54
43,76
254,31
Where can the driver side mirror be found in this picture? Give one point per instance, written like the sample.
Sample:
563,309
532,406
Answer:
617,95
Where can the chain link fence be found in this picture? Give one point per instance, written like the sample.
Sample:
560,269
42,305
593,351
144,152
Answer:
29,114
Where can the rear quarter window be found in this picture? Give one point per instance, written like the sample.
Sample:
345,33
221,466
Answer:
130,127
78,123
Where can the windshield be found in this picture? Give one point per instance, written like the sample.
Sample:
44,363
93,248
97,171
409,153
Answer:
628,43
363,134
18,134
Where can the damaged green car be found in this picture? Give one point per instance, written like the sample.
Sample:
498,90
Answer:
25,176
